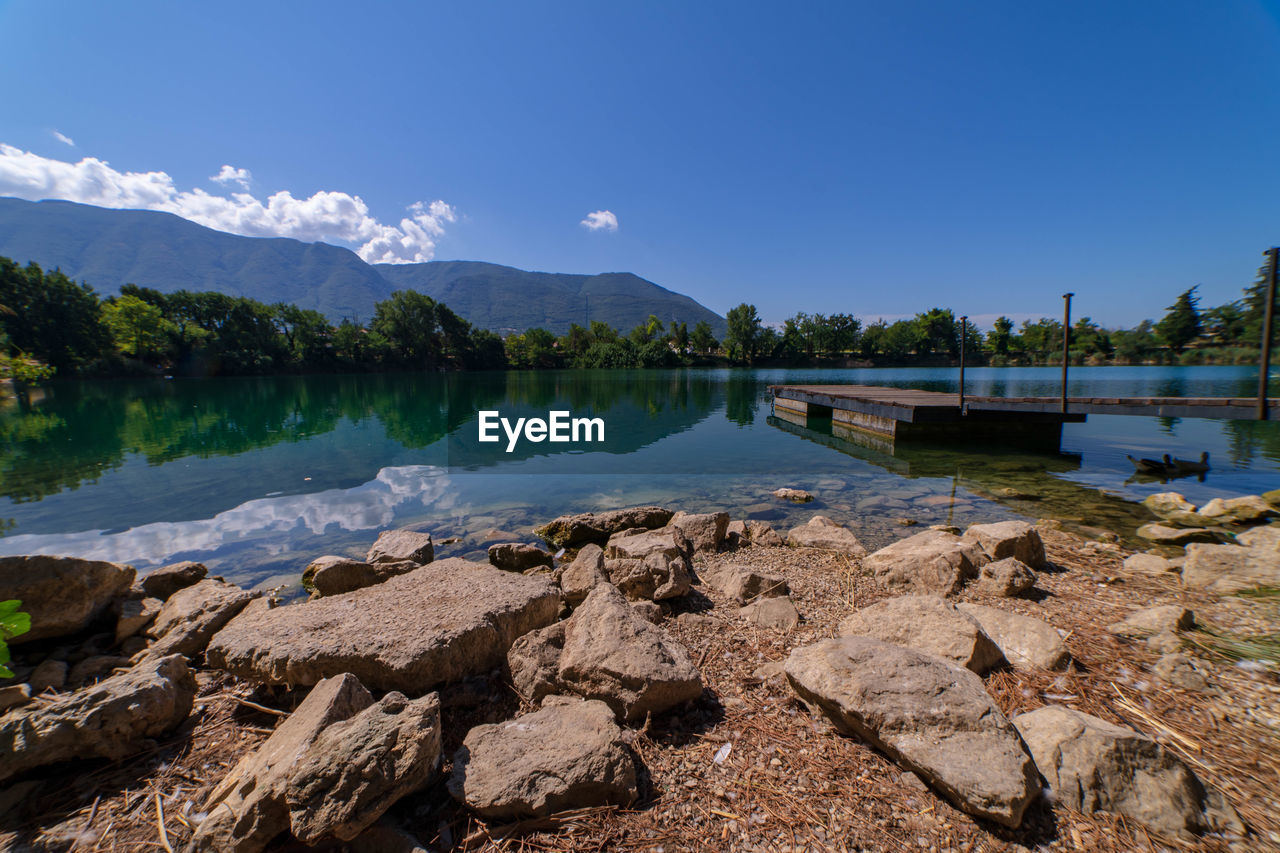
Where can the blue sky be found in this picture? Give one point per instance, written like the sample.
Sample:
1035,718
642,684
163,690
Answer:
877,158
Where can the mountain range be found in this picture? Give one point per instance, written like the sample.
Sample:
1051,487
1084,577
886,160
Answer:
108,248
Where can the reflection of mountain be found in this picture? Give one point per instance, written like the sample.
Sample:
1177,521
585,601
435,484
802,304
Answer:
371,505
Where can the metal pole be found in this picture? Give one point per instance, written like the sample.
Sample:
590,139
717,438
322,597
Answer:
1264,361
1066,344
964,326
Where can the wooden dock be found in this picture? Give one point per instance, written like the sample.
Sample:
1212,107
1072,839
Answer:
904,413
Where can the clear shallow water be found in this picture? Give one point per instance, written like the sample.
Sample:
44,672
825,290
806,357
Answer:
257,476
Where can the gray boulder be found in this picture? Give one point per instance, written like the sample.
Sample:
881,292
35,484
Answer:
932,717
394,546
248,808
359,767
62,594
1092,765
1005,578
107,720
1230,568
823,533
929,624
583,574
573,531
566,756
705,531
932,561
165,581
442,622
518,557
191,616
1025,641
1017,539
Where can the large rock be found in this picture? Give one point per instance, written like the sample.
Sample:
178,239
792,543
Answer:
932,561
1231,568
191,617
566,756
798,496
62,594
440,623
331,575
1093,765
135,615
613,654
394,546
926,623
1242,510
932,717
165,581
651,565
248,808
705,531
583,574
821,532
743,584
518,557
106,720
534,662
1150,621
1005,578
1166,535
572,531
1017,539
357,768
777,612
1025,641
1165,504
761,534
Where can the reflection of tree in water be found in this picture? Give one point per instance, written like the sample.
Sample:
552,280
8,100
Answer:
1168,426
1247,440
742,399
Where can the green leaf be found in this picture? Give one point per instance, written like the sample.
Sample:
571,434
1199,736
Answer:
13,623
5,672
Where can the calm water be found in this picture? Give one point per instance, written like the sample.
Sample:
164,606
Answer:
256,476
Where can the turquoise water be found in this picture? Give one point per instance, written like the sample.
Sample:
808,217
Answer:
257,476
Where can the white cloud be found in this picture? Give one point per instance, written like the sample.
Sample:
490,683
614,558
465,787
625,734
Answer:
600,220
326,215
229,175
63,138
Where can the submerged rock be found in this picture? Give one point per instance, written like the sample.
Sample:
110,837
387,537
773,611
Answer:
799,496
518,557
572,531
61,594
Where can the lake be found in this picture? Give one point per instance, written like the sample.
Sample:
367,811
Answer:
257,476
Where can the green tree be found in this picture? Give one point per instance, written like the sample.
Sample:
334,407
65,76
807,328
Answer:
1181,325
139,328
408,321
53,319
743,340
702,340
1000,337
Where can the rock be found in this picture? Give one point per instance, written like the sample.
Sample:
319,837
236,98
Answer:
359,767
649,564
775,612
166,580
744,584
135,615
1242,510
583,574
62,594
705,531
1155,620
932,561
1005,578
572,531
248,808
518,557
1025,641
106,720
1230,568
798,496
191,617
394,546
49,675
1092,765
331,575
649,611
1272,497
822,532
1017,539
1167,535
1148,564
534,662
1164,643
932,717
95,668
612,654
439,623
14,696
735,536
929,624
1264,539
1165,504
761,534
567,756
1180,671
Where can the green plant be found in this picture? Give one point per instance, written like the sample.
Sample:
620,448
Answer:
12,623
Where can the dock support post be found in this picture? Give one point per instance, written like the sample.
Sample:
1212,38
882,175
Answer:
1264,360
1066,344
964,328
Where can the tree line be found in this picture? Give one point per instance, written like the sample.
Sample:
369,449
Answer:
51,325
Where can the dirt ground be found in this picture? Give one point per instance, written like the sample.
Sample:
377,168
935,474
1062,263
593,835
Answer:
747,767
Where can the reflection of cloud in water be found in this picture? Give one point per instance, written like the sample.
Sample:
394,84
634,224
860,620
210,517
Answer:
369,505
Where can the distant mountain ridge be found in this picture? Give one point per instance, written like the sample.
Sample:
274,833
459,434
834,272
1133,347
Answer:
108,248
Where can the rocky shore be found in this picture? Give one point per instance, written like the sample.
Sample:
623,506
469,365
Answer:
649,679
